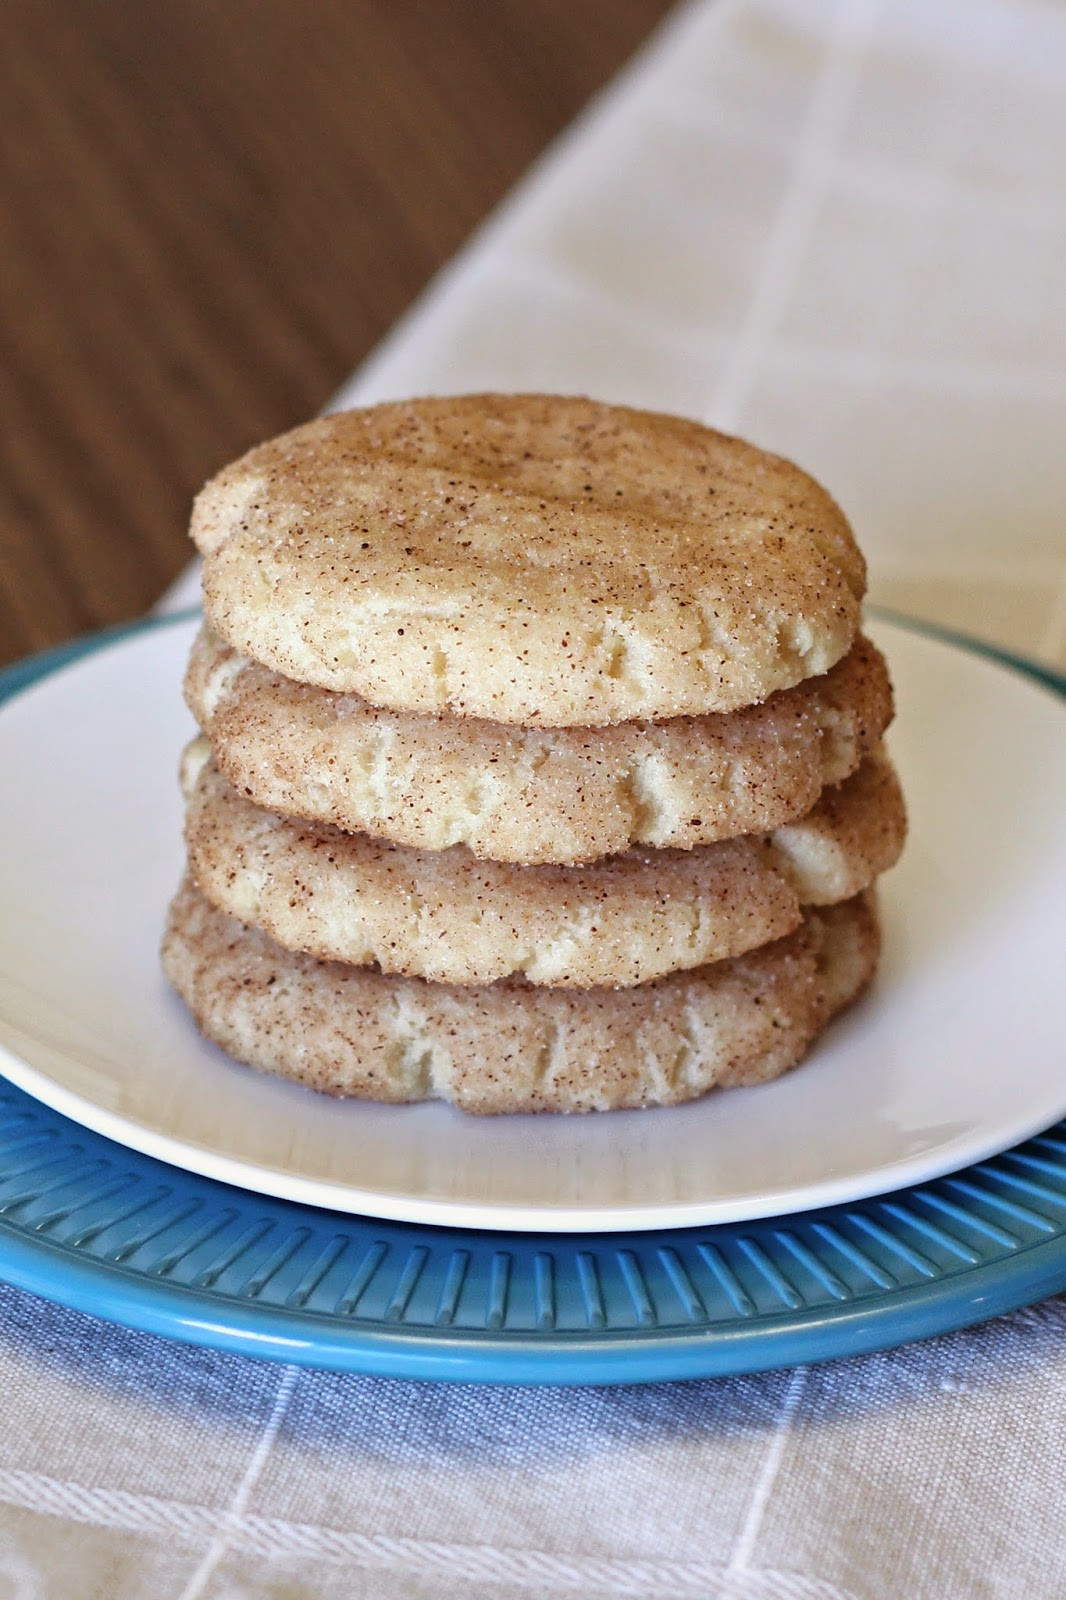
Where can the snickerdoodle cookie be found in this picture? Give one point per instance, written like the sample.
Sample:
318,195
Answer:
509,1046
446,916
534,794
530,559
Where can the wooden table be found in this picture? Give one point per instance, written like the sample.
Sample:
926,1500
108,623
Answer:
209,213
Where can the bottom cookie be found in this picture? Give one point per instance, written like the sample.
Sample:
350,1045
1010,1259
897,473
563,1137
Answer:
510,1046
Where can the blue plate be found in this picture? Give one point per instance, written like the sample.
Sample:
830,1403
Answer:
96,1226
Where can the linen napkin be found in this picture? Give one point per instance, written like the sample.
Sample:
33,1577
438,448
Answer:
835,226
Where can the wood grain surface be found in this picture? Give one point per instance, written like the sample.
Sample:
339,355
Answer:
209,213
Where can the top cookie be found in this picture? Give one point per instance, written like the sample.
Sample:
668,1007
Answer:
537,560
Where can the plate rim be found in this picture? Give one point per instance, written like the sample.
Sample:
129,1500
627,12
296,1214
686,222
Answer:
349,1200
139,1297
194,1317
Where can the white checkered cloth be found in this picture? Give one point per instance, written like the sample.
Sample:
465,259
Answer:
839,228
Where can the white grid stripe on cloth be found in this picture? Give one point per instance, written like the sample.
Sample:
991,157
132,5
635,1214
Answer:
818,141
740,1558
232,1521
273,1538
838,224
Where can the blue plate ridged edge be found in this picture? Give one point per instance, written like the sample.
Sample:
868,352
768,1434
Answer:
105,1230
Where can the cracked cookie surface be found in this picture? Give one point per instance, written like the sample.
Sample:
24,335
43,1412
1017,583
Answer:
538,560
508,1046
445,916
534,794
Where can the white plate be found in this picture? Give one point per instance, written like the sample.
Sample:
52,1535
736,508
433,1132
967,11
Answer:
956,1053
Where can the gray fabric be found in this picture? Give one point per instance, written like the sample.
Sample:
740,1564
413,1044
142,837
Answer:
135,1466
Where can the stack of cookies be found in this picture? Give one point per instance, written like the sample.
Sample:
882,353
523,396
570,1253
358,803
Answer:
541,760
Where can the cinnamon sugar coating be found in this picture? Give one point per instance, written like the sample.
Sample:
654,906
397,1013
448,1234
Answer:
507,1046
534,794
537,560
445,916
